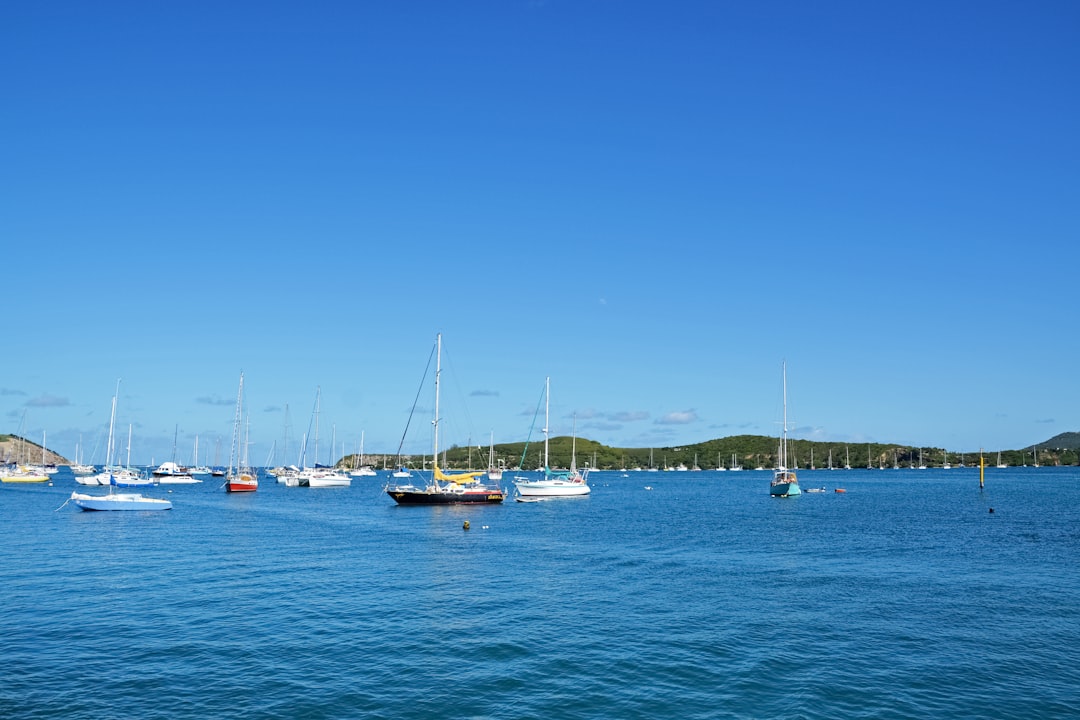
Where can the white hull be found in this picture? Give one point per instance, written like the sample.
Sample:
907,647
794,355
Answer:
551,488
119,501
177,480
338,481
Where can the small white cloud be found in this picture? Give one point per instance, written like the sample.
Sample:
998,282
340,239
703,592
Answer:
628,416
47,401
683,417
215,400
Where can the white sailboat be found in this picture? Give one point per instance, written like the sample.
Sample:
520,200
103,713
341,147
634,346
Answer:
555,484
128,476
114,500
322,477
362,470
784,482
999,463
495,472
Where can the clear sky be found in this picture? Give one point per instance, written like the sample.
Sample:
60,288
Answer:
655,204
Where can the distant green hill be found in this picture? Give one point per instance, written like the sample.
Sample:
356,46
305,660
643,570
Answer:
749,451
1064,441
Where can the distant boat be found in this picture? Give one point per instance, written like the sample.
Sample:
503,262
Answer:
325,477
24,474
443,489
784,482
362,470
240,477
495,472
169,473
110,471
555,484
999,463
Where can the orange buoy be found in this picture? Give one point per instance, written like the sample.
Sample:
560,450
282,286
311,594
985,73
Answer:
841,490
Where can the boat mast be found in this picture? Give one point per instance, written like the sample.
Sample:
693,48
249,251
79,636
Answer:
318,398
234,451
573,447
547,410
783,440
435,422
112,423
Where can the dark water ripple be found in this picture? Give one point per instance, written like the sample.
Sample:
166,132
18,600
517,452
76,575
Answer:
702,598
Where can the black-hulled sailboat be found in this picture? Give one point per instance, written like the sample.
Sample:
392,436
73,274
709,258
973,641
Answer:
443,489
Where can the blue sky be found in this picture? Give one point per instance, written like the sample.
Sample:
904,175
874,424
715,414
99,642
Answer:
655,204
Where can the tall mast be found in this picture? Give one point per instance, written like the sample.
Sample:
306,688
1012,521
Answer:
234,452
318,398
547,409
573,447
112,423
783,443
435,422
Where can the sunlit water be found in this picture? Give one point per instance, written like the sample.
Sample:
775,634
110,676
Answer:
701,597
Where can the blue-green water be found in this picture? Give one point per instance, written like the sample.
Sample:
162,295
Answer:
703,597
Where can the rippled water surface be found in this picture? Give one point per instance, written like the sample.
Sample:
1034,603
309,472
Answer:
701,597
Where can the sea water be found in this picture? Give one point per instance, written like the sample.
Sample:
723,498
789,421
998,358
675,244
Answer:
662,595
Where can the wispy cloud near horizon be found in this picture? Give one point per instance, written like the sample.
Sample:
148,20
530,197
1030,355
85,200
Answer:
683,417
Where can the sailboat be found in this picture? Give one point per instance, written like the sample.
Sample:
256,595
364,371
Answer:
325,476
127,476
24,473
443,489
114,500
199,469
239,477
555,484
362,470
999,463
784,482
495,472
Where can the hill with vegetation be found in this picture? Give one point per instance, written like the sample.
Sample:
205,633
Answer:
1064,441
748,451
15,449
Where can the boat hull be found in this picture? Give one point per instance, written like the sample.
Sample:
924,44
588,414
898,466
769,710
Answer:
25,478
785,489
444,497
541,488
322,482
119,501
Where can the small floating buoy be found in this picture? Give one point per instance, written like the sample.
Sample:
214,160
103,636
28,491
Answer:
484,527
991,509
841,490
465,526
